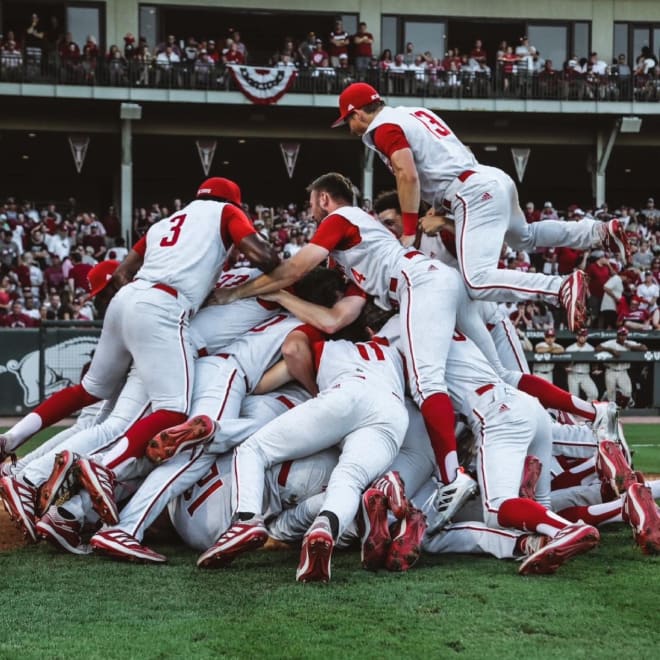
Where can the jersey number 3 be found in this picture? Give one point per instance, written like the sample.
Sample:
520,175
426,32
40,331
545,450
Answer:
432,123
175,230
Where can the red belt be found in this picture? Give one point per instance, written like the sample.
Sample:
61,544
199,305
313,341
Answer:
167,288
462,177
484,388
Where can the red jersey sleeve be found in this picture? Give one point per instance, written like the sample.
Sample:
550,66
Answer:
141,246
354,290
313,334
389,138
235,225
333,232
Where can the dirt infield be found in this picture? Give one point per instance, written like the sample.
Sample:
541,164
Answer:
10,537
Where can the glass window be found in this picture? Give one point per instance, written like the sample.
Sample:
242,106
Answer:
621,40
350,23
581,45
426,36
83,21
656,42
551,41
641,39
388,37
149,24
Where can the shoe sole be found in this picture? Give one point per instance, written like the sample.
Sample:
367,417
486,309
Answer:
63,462
118,551
223,558
644,508
531,475
17,513
317,563
105,507
172,441
575,309
49,533
406,548
443,518
376,539
550,558
613,469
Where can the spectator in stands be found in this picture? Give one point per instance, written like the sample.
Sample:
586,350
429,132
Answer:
409,53
550,82
6,297
167,72
523,317
53,274
30,306
319,55
90,57
232,55
636,317
362,46
507,63
96,242
39,246
11,61
338,43
17,318
305,50
212,51
621,69
542,318
478,53
34,35
613,290
9,251
547,346
648,292
60,242
643,258
78,274
598,271
650,212
616,374
386,60
531,214
130,46
240,46
548,212
119,251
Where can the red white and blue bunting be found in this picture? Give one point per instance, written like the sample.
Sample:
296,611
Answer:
263,85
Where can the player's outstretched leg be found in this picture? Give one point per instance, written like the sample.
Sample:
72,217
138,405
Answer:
119,545
316,553
241,537
615,474
376,537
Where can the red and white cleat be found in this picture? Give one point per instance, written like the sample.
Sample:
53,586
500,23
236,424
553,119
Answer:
119,545
406,545
641,512
573,298
99,482
240,538
531,473
316,553
194,431
573,540
392,486
616,240
19,500
612,468
61,532
50,489
376,537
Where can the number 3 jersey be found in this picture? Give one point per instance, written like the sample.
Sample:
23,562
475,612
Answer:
187,250
439,155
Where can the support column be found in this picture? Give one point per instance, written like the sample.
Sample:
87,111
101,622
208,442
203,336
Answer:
603,153
128,113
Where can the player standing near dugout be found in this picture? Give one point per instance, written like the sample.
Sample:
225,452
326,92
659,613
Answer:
431,164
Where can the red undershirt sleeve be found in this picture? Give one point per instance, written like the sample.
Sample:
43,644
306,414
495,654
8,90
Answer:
237,224
389,138
331,232
141,246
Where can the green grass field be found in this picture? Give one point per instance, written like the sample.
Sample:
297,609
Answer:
602,605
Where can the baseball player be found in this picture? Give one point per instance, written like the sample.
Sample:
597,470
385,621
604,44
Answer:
360,401
616,373
432,165
579,373
546,347
177,264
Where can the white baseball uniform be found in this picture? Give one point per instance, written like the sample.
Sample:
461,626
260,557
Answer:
579,378
484,202
360,406
616,373
543,369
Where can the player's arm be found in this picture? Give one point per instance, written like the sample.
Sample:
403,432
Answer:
299,358
542,348
636,346
557,349
607,349
327,319
275,377
129,267
434,222
285,274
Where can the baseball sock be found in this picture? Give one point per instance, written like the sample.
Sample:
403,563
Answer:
334,522
596,514
575,475
438,416
552,396
530,516
53,409
137,437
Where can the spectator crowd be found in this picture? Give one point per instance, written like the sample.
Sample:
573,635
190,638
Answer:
334,59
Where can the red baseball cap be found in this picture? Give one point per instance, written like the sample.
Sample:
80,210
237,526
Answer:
100,275
622,331
583,333
217,186
354,97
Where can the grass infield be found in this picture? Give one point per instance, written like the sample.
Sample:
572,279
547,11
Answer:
602,605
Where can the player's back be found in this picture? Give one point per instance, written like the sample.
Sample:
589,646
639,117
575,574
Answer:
186,251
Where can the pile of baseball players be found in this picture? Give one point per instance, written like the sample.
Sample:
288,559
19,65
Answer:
360,391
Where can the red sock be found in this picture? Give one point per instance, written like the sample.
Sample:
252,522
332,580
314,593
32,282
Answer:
586,513
527,515
141,432
438,416
552,396
571,478
64,403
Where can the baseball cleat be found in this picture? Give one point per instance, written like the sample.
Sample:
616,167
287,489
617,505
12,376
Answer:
376,538
19,500
99,482
316,553
612,468
621,439
392,486
406,545
573,298
641,512
573,540
4,452
606,422
120,545
240,538
531,473
616,240
531,543
61,532
194,431
50,490
450,498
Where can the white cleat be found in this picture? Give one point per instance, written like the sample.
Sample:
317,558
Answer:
606,424
449,499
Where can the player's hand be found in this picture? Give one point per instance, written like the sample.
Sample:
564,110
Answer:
408,239
270,297
222,296
433,222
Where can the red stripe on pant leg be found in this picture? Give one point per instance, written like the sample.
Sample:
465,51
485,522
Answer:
141,432
552,396
64,403
439,419
524,514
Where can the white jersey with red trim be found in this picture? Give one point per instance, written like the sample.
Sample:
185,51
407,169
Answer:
341,359
373,262
260,348
216,326
439,155
186,251
434,248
